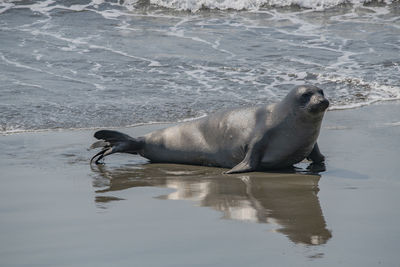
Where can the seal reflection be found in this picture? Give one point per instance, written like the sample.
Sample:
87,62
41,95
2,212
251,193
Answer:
288,200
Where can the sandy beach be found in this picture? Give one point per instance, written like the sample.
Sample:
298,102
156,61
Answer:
69,67
56,210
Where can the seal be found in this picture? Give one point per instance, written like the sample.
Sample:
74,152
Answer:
246,139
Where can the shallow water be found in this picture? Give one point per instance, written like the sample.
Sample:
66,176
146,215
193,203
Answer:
56,210
84,64
286,200
88,64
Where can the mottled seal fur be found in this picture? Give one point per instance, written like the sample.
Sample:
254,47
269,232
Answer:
245,139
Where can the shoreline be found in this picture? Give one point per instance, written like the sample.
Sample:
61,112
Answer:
143,124
52,200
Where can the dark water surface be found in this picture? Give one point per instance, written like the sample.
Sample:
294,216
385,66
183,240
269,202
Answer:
84,64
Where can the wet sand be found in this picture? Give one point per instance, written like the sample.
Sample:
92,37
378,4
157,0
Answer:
56,210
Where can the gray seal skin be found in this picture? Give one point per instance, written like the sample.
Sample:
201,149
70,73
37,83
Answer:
246,139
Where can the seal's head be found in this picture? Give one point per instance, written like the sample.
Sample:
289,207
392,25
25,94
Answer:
310,99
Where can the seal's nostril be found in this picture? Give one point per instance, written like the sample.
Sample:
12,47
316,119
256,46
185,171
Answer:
325,103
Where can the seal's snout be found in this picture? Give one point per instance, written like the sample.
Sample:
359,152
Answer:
319,104
324,103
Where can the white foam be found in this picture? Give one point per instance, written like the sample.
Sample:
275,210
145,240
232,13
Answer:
392,124
26,84
155,64
45,7
5,6
19,130
23,66
195,5
358,105
377,92
82,42
194,118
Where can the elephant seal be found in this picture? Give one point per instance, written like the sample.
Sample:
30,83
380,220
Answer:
245,139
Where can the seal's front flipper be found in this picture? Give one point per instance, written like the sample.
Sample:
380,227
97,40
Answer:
315,155
252,159
316,168
243,166
114,142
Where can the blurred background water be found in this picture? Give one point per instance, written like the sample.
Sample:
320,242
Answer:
96,63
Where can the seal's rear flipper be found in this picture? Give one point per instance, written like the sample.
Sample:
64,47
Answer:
115,142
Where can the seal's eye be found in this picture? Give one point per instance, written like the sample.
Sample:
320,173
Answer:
321,92
306,96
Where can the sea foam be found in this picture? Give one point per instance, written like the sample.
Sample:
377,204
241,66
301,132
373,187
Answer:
195,5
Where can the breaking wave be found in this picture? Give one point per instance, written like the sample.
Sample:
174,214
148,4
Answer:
196,5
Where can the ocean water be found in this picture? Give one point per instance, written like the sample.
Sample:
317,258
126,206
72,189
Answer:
91,64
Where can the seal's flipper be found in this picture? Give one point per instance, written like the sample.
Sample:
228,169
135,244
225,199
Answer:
243,166
115,142
315,155
252,159
101,155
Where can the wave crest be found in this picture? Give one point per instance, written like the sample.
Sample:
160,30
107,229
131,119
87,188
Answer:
196,5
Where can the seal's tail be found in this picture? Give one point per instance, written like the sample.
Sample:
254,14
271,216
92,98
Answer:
114,142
